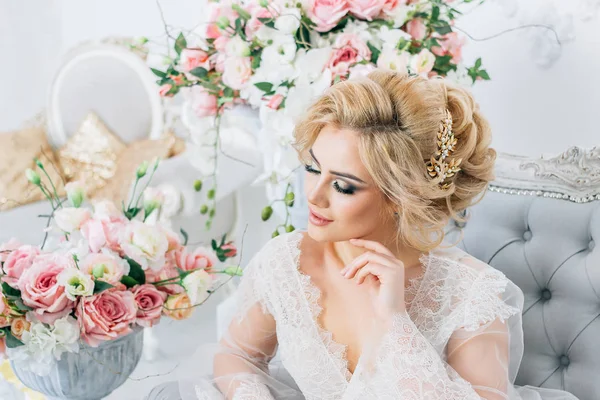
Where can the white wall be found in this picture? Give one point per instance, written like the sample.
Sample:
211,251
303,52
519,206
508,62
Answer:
532,110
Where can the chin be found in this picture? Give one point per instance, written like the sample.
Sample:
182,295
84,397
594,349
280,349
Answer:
325,234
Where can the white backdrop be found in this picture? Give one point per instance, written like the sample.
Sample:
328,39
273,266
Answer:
533,110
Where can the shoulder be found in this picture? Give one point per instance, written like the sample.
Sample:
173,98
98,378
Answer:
460,265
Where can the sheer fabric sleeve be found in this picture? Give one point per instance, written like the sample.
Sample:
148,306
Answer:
239,363
476,364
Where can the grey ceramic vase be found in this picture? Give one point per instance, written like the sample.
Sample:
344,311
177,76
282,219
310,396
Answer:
91,374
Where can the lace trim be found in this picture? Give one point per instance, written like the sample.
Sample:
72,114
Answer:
337,351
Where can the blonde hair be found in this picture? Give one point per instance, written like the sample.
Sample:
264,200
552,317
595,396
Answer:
397,118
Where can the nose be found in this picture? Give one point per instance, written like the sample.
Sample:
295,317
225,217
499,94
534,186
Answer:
317,192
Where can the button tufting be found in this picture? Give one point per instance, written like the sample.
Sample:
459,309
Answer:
564,361
527,235
591,245
546,294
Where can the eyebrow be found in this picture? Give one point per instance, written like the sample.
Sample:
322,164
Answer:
349,176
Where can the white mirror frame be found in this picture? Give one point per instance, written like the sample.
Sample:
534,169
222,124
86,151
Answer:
56,130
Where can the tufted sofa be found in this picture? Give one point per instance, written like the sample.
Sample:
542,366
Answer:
539,224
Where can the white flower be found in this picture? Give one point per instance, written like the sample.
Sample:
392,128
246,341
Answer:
237,47
171,200
317,41
302,95
400,14
361,70
146,244
153,199
359,28
422,63
237,72
75,193
197,285
70,219
391,37
76,283
66,333
106,210
281,51
460,76
393,60
37,353
288,21
310,64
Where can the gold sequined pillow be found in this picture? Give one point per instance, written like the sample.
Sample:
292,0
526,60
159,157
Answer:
91,154
17,151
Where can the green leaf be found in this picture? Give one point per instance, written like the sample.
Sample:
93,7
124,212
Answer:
136,271
264,86
9,291
241,12
435,13
199,72
210,86
228,92
180,43
256,58
21,306
213,244
233,270
100,286
223,240
185,236
375,52
158,73
129,281
269,22
442,27
11,341
484,75
132,212
478,63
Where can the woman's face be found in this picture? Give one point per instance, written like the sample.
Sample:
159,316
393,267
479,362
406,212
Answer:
343,201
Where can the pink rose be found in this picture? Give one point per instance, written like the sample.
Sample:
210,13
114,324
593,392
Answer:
164,89
237,72
41,291
203,103
389,6
366,9
326,13
149,301
417,29
256,12
106,315
200,258
221,10
167,272
349,49
7,248
194,58
17,262
450,45
103,232
423,63
2,347
275,101
229,250
105,266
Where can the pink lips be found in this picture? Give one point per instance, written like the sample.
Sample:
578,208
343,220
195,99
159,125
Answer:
317,219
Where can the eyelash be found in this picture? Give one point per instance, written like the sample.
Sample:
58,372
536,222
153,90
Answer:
337,187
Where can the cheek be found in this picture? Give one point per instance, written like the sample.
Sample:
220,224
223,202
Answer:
360,206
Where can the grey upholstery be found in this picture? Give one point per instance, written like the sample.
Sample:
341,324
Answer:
548,248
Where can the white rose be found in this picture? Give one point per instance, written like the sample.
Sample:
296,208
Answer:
391,37
460,76
76,283
237,47
237,72
400,14
106,210
70,219
66,333
361,70
288,21
281,51
310,64
196,286
146,244
37,354
422,63
393,60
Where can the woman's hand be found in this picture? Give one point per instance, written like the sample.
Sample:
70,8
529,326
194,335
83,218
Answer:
383,273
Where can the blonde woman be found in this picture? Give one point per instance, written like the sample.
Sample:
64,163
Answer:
368,303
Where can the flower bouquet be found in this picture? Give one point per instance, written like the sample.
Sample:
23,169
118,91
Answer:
99,276
278,55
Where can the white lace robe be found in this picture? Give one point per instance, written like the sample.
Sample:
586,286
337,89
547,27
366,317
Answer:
461,337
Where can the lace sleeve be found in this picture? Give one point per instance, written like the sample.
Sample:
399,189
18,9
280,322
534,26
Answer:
476,362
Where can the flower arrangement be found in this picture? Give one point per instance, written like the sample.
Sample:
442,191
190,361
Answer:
107,271
278,55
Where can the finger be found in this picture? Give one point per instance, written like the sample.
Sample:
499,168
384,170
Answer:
372,245
363,259
377,270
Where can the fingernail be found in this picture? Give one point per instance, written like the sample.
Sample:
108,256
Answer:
343,271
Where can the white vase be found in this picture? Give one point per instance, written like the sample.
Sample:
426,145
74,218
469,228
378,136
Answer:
91,374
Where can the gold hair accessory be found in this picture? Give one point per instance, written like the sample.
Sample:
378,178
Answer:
438,166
